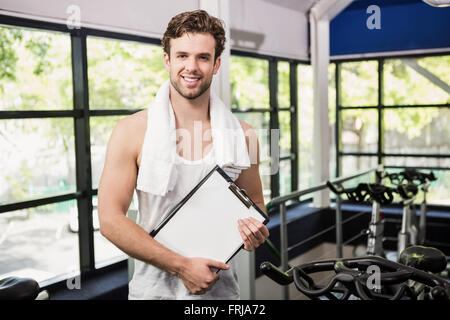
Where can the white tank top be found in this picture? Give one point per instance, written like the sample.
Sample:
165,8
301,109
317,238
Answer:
150,282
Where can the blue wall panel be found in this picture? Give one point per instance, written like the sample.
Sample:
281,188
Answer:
405,25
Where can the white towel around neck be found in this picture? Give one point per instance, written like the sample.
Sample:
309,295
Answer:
157,172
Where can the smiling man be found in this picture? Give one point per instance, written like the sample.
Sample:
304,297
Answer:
193,43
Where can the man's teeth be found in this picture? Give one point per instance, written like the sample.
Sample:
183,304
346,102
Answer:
190,79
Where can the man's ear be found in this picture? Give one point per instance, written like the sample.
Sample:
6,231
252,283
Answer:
216,65
167,61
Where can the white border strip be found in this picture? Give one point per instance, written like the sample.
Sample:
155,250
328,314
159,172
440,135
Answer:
83,25
389,53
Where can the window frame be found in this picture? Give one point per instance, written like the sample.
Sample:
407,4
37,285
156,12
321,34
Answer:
380,107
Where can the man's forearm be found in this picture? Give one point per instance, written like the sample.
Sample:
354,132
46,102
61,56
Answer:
137,243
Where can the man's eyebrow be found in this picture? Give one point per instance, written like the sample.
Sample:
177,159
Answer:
199,54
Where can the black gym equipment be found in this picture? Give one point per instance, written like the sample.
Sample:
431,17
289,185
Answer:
354,277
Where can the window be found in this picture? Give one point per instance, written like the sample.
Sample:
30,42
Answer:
35,70
249,78
249,81
411,81
123,74
284,120
359,84
43,142
116,89
37,155
38,158
305,126
37,242
359,130
403,124
262,96
417,130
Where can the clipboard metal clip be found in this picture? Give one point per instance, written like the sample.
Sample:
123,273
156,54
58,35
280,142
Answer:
241,194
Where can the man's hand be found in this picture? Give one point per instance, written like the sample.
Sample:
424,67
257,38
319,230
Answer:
253,232
197,275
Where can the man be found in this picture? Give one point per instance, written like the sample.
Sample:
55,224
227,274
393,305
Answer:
192,46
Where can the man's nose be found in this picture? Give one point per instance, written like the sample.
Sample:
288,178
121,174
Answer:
191,64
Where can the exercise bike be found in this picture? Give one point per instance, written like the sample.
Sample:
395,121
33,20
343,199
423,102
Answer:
379,195
409,280
408,182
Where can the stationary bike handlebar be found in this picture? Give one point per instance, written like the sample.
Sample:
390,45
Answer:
353,276
410,175
365,191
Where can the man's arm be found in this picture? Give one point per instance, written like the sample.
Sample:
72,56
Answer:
253,232
115,192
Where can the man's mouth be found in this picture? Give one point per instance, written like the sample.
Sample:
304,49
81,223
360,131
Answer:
191,79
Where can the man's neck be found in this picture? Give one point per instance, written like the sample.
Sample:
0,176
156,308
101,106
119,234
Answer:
187,111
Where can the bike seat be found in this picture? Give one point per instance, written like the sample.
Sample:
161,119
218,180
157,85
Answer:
424,258
14,288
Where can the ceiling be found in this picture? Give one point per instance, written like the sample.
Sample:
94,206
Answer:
297,5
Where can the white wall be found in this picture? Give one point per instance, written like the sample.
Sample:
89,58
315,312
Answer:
143,17
267,28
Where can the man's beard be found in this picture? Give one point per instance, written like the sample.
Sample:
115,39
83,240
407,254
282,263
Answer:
191,96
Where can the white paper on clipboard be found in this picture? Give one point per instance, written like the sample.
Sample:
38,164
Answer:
206,223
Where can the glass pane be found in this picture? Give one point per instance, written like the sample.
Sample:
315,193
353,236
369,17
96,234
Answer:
305,126
101,128
359,130
417,130
440,189
284,118
35,70
284,95
37,158
123,74
418,162
285,177
352,164
249,80
38,242
417,81
359,83
332,117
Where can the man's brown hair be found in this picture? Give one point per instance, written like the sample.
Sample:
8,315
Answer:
198,21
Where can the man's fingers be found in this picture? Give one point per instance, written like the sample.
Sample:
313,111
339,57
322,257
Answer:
261,227
247,235
253,228
218,264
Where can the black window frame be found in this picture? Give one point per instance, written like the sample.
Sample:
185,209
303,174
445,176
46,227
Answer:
274,109
80,114
380,107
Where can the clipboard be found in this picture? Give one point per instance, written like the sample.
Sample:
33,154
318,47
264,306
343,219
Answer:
205,222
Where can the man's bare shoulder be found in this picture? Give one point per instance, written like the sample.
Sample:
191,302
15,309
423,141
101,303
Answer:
130,131
132,124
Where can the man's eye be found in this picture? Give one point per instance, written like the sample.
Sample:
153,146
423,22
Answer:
204,58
